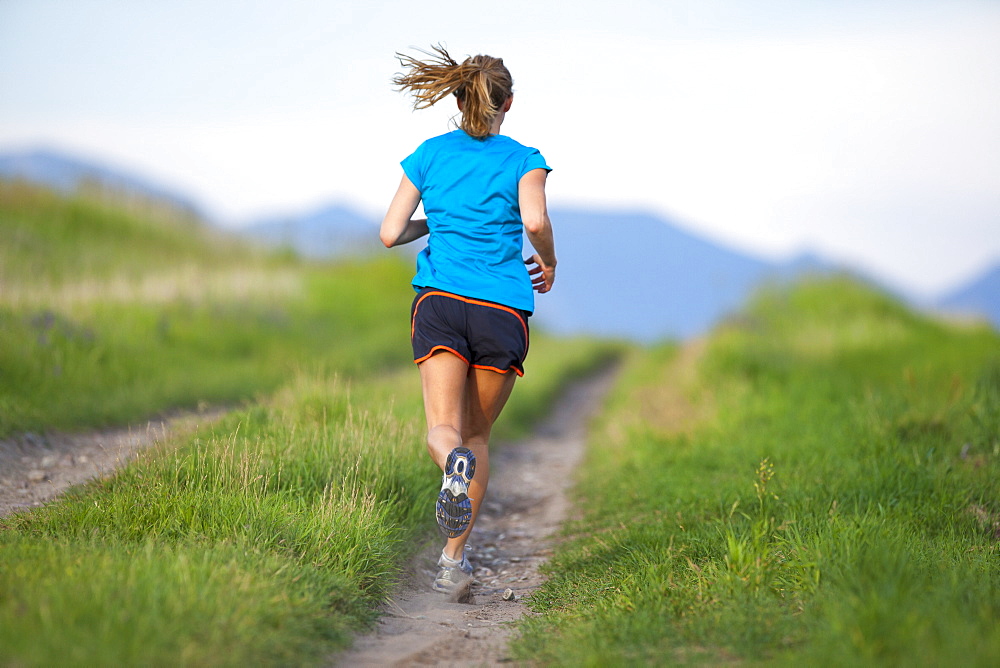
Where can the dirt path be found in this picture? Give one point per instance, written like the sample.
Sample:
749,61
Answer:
526,504
36,468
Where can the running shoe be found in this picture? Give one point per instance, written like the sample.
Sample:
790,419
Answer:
454,507
454,574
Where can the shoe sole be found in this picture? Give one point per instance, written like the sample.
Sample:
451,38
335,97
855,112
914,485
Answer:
454,511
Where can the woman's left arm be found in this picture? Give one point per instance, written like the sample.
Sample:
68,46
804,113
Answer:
399,227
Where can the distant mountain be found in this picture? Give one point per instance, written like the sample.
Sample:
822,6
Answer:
331,231
67,174
981,296
638,276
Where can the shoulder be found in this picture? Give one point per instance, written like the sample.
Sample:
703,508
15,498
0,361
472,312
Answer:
448,139
528,157
517,148
513,144
428,149
438,141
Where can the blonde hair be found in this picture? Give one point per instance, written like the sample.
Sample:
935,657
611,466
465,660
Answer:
481,83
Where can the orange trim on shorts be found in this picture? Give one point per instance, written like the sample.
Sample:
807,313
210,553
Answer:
446,349
474,366
467,300
498,370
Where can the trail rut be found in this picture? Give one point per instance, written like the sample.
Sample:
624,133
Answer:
36,468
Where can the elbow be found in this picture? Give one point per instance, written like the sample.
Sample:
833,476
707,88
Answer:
387,238
535,225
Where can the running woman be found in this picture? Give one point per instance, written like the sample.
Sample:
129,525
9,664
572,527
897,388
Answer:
469,320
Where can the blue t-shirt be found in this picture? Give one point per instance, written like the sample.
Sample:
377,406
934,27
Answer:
469,191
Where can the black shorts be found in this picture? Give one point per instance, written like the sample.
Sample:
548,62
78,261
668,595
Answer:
485,334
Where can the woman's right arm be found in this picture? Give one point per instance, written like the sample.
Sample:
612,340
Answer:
399,227
535,216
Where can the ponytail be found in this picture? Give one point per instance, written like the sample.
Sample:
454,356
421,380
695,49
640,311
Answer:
482,84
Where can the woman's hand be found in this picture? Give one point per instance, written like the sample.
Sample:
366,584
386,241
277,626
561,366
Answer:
542,275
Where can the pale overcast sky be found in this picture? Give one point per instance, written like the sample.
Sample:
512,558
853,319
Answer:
866,130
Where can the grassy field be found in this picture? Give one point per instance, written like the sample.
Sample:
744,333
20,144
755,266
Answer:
267,538
816,483
110,316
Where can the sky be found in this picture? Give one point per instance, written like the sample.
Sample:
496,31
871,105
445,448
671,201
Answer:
867,131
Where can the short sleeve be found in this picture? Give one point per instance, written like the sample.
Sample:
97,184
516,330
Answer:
413,167
533,160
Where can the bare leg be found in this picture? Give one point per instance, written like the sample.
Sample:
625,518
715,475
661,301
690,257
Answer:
486,393
443,377
461,404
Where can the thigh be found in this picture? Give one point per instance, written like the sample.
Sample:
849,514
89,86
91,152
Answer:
444,378
486,393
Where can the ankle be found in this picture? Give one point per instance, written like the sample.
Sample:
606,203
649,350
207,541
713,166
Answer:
454,559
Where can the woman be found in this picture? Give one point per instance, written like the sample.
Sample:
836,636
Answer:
480,191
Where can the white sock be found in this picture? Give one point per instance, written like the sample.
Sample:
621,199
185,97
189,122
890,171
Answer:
452,562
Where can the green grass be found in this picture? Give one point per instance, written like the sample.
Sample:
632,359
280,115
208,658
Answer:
820,484
52,240
109,317
109,363
267,538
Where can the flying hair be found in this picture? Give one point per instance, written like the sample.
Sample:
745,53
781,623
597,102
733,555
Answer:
481,83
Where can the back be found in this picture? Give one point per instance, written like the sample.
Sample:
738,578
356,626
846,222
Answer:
469,189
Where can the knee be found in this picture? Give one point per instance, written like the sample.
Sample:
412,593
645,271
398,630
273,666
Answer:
476,437
443,436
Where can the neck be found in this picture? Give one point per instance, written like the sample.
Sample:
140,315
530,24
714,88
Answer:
497,122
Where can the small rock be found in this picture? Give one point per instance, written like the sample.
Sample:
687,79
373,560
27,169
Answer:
37,475
48,461
509,595
83,459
